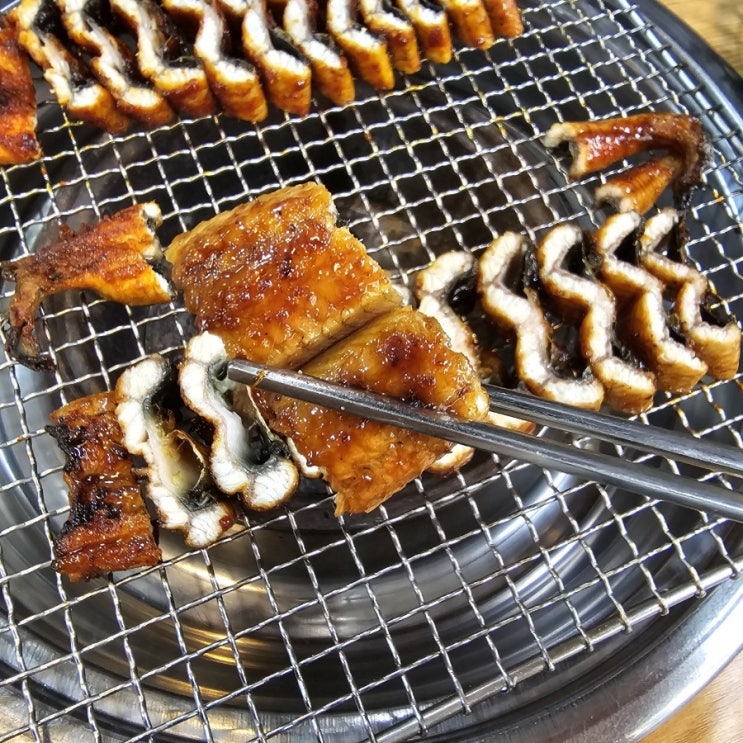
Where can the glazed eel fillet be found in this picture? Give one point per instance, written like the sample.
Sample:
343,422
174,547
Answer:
281,284
109,528
111,257
404,354
18,143
276,279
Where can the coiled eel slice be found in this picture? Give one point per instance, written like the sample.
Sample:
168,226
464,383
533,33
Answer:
433,287
717,344
521,315
285,73
505,17
643,322
177,475
330,72
628,387
368,52
40,33
397,30
233,80
431,25
471,22
114,65
262,482
163,59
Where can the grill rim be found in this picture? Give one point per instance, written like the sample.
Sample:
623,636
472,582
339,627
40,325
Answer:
688,647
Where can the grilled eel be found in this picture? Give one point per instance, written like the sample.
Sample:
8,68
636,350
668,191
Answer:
18,143
113,63
594,145
518,312
281,284
234,81
164,59
642,316
109,528
404,354
195,57
276,279
639,188
330,72
109,257
712,336
42,36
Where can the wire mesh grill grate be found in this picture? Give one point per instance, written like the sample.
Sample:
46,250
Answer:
301,626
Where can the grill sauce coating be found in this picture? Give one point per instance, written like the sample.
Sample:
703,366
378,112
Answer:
109,257
406,355
282,285
18,143
597,144
109,527
276,279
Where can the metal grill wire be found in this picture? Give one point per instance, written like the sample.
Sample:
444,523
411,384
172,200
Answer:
296,625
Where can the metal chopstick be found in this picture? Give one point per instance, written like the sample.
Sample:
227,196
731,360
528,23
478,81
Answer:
667,443
610,470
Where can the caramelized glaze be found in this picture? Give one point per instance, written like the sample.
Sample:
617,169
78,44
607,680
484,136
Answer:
403,354
639,189
276,279
505,18
109,257
597,144
18,143
108,528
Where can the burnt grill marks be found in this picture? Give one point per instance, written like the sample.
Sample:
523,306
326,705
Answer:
109,528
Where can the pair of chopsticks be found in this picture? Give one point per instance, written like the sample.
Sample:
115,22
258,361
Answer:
608,469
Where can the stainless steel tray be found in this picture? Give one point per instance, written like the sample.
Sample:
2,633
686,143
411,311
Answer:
504,600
